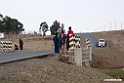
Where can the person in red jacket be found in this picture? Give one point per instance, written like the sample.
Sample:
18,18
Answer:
70,32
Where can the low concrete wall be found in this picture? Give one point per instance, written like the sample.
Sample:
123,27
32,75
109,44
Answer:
82,57
78,56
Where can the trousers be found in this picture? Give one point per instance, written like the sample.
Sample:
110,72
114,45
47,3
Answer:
57,48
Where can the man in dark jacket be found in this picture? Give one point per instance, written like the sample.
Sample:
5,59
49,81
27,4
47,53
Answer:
56,40
21,44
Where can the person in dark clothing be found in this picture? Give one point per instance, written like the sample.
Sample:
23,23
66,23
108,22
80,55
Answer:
16,47
56,40
21,44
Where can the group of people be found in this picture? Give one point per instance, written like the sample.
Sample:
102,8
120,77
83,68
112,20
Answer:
61,39
20,45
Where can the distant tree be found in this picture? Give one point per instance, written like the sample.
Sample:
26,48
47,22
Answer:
12,25
1,21
44,28
1,16
6,25
17,26
54,27
9,25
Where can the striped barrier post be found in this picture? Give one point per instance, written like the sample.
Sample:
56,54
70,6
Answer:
77,41
88,43
74,42
71,42
6,46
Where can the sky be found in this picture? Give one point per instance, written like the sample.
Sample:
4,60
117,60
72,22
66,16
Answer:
81,15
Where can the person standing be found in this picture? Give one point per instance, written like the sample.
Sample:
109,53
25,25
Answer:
21,44
62,41
70,32
59,31
56,40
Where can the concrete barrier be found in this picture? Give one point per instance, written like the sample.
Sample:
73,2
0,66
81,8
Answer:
81,57
78,56
87,57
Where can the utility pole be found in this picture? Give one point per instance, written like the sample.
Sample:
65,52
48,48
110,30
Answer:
99,28
121,29
104,28
115,25
121,25
110,27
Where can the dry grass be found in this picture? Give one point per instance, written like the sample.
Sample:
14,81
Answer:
112,55
34,43
48,70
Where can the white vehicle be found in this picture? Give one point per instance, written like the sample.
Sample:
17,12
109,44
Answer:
1,35
101,43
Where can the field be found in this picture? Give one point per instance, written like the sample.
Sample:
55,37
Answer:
111,56
34,43
110,59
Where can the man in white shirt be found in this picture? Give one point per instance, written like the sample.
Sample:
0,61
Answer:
59,31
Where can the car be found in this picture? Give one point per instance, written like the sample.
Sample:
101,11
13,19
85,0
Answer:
101,43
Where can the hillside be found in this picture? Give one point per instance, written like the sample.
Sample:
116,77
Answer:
111,56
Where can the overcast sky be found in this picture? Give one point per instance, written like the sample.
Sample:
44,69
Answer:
82,15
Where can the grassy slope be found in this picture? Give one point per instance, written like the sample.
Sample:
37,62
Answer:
112,56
